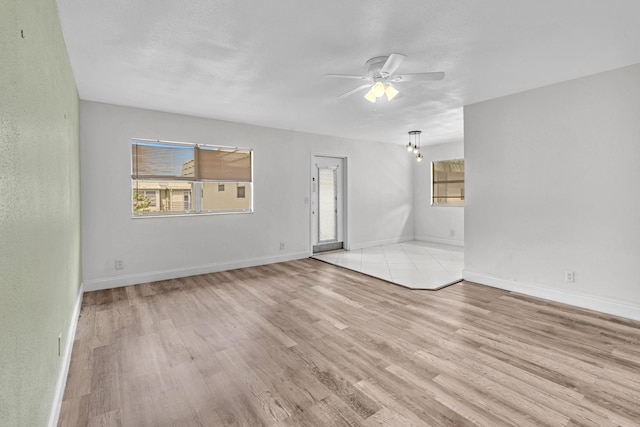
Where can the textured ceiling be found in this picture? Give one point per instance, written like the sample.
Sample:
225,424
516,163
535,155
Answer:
263,62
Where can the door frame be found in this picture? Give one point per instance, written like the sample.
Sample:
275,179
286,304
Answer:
345,196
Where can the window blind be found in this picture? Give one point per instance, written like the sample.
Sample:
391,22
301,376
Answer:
162,161
218,164
193,163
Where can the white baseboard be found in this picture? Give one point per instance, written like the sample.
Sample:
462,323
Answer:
66,361
597,303
441,240
153,276
363,245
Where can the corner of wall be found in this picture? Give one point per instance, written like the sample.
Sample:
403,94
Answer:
452,242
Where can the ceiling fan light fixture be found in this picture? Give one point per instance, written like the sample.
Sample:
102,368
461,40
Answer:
377,89
390,91
380,76
369,96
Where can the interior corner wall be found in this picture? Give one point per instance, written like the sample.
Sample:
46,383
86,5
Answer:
39,210
439,224
379,198
551,187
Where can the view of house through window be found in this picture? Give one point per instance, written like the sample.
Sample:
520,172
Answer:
182,178
447,178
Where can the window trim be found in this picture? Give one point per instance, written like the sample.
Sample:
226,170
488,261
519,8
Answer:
197,190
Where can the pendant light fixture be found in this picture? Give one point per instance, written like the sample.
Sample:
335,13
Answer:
414,144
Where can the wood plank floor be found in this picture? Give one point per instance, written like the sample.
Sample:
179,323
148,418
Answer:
305,343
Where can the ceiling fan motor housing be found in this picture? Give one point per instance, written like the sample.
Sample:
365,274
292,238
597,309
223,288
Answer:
374,65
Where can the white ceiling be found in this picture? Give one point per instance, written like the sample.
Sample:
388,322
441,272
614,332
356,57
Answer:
263,62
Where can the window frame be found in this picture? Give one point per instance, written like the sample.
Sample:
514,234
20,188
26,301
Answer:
244,192
196,192
155,197
432,182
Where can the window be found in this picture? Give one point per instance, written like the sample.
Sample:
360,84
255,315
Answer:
152,196
182,178
447,179
186,199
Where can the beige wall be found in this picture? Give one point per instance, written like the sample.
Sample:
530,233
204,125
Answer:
227,199
40,224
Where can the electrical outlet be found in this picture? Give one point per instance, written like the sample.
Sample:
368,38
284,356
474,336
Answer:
570,277
281,245
119,264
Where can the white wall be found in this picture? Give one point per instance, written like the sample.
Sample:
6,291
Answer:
379,207
552,185
440,224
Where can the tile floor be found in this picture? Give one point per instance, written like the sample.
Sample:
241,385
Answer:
413,264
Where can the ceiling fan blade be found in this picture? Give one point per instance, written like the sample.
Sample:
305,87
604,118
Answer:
346,76
392,64
417,76
352,91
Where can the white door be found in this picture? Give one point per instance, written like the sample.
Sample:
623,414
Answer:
327,203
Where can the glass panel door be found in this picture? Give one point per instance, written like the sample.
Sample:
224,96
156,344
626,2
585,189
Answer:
327,209
327,203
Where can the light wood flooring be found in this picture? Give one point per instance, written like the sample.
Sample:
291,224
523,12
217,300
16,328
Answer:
305,343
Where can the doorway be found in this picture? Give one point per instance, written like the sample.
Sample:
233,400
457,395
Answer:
327,203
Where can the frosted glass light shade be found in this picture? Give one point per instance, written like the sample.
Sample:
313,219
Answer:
390,91
369,96
378,89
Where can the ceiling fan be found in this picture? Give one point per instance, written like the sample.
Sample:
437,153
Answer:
380,78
